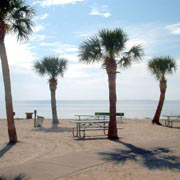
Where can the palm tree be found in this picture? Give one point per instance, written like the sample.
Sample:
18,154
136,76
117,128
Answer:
16,17
160,67
109,48
52,66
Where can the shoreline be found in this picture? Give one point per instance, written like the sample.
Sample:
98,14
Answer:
75,118
67,109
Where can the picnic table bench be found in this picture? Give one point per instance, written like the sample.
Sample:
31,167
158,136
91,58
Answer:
171,119
89,125
106,115
99,121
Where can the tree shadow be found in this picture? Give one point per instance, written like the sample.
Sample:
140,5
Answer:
54,130
5,149
19,177
152,159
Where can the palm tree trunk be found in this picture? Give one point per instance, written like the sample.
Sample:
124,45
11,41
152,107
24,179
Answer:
53,86
8,97
160,104
112,132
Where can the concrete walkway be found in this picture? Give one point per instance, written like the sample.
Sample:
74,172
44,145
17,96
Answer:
57,167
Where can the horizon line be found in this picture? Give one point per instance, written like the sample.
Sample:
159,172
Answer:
93,100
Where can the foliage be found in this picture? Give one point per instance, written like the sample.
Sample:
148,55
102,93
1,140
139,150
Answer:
52,66
109,45
17,17
160,66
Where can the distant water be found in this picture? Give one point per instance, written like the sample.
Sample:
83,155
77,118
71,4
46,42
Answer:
67,109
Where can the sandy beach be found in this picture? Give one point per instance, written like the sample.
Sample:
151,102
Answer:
45,142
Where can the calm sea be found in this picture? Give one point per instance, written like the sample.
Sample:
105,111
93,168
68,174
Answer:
67,109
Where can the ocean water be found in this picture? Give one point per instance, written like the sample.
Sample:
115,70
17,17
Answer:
67,108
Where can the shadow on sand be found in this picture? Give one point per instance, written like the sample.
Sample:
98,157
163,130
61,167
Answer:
152,159
5,149
19,177
54,130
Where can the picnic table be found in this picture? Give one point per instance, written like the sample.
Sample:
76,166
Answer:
170,119
89,123
107,115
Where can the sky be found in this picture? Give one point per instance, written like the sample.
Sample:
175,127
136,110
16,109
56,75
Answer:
60,26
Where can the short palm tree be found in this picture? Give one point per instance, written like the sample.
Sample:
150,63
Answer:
109,47
52,66
160,67
16,17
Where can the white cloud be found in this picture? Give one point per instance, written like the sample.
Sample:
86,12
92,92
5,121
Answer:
57,2
85,75
42,17
77,69
174,28
148,37
36,2
70,57
136,41
80,70
38,28
82,34
60,48
20,55
38,37
100,11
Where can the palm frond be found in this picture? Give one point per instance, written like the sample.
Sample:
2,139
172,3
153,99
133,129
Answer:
39,68
62,66
52,66
125,61
22,18
160,66
19,17
109,46
113,40
134,54
90,50
4,7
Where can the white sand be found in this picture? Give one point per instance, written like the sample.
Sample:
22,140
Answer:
45,142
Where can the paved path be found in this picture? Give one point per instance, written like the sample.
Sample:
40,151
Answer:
57,167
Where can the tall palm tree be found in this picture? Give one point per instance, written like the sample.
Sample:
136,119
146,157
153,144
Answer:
16,17
52,66
109,47
160,67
